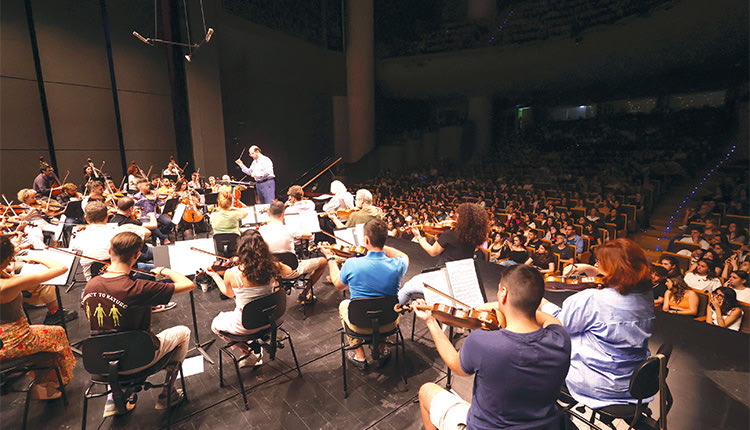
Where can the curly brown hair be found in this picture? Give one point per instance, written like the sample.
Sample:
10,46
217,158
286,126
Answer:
258,265
473,224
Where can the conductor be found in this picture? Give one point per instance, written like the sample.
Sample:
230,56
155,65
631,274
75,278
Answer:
261,170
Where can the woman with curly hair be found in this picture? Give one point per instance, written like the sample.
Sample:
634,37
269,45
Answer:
253,277
679,298
470,231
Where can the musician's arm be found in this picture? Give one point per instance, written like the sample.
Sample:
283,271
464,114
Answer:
545,319
434,250
444,346
337,222
333,269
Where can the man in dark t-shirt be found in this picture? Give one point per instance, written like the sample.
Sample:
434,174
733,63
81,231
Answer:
518,370
659,284
114,302
567,252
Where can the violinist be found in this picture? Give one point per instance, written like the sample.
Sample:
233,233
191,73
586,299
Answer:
364,213
225,185
45,180
534,350
166,189
149,203
213,185
602,361
376,274
134,173
281,239
69,193
128,213
470,231
298,204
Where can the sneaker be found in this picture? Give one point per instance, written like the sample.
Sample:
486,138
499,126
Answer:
110,408
56,318
175,399
307,299
162,308
252,360
359,364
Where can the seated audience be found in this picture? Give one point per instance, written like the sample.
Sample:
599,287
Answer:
703,276
542,259
738,282
659,285
723,309
679,298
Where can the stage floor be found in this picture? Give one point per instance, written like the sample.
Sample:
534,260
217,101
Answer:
378,399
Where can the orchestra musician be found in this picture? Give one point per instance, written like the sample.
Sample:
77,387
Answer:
261,170
149,203
45,180
518,369
459,243
172,168
364,213
21,339
342,199
196,182
281,238
609,327
128,303
254,277
213,185
70,193
134,173
298,204
376,274
189,197
226,221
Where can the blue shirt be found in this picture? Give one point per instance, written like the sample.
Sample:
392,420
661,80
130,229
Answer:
609,334
518,376
577,241
373,275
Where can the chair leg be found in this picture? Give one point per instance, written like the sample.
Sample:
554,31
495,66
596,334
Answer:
294,354
239,378
26,405
221,369
85,409
182,382
343,363
413,323
61,387
403,356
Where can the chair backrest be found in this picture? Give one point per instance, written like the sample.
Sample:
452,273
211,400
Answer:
703,299
363,311
264,310
226,244
288,258
644,382
133,349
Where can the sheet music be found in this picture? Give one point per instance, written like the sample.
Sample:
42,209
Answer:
462,276
65,259
178,211
293,222
309,221
438,280
359,235
185,261
250,218
261,213
346,234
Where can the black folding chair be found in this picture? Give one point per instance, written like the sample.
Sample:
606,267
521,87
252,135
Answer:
372,313
11,370
262,312
106,356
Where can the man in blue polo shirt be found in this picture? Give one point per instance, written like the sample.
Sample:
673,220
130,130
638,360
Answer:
377,274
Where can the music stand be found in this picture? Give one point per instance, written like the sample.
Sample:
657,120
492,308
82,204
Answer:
211,198
162,259
170,205
74,210
248,196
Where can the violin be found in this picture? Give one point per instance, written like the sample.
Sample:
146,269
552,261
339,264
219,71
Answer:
433,228
472,319
564,283
341,250
343,214
221,265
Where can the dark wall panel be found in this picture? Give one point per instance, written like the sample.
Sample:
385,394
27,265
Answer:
82,117
21,123
16,59
146,121
19,168
71,42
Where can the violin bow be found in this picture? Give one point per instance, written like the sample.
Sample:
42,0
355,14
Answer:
192,248
7,203
107,263
435,290
338,238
